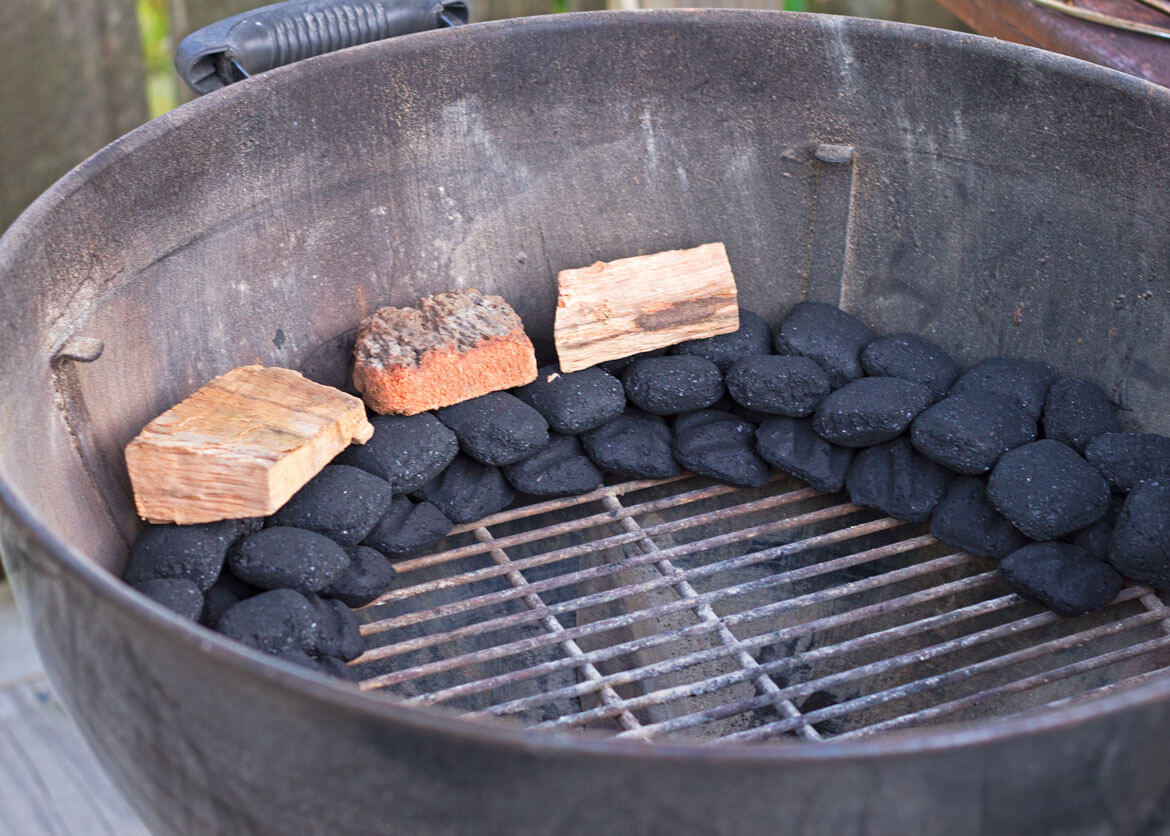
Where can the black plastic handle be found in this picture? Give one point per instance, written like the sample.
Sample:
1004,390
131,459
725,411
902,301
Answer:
271,36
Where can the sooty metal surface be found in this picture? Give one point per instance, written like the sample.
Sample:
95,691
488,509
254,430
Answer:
685,609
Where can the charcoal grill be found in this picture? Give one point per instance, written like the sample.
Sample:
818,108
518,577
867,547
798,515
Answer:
652,657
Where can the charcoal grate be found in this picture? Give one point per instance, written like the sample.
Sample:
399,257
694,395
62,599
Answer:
681,609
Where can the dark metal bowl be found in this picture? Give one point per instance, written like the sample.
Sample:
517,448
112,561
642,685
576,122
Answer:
995,198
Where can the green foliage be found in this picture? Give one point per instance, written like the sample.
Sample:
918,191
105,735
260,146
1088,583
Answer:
796,5
161,93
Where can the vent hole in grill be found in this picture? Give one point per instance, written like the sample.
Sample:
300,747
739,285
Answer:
687,610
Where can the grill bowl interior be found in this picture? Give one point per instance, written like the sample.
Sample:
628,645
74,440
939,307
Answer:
995,199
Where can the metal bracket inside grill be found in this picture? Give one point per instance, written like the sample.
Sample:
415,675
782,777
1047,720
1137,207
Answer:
685,609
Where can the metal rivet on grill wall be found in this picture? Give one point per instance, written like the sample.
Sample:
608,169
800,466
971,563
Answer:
829,153
81,349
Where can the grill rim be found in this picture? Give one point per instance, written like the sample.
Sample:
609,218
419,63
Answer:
23,528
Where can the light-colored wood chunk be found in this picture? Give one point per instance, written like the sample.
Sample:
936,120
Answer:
617,308
240,446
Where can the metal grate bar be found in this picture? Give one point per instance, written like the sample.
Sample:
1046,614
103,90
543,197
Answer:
1035,681
608,695
965,672
1155,604
677,663
703,610
607,570
558,555
885,665
637,615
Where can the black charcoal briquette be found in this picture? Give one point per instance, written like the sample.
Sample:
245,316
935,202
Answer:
467,490
369,575
721,446
968,433
1063,577
826,334
869,411
194,552
896,480
409,525
560,469
226,591
779,385
1077,411
282,557
752,337
338,669
406,450
1127,459
1140,548
1046,490
793,447
179,595
1022,383
341,502
618,367
339,633
911,357
574,402
497,428
275,622
635,445
670,385
966,519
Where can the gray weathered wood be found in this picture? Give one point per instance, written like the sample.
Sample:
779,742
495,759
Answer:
72,81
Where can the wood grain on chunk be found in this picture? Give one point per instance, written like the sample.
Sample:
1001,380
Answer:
452,347
241,446
614,309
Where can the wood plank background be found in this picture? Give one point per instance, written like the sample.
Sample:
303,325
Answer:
72,77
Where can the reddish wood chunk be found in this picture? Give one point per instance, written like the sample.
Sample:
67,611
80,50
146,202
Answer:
617,308
240,446
451,347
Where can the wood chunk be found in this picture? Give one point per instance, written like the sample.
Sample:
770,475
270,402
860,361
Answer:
241,446
614,309
452,347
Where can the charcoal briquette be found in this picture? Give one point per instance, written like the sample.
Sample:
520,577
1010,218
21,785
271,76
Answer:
368,575
966,519
574,402
1127,459
1076,411
497,428
894,478
779,385
406,450
408,525
1140,548
560,469
1046,490
468,490
670,385
338,634
827,334
179,595
635,445
282,557
1022,383
752,337
968,433
911,357
618,366
194,552
275,622
793,447
721,446
869,411
225,592
338,669
341,502
1063,577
